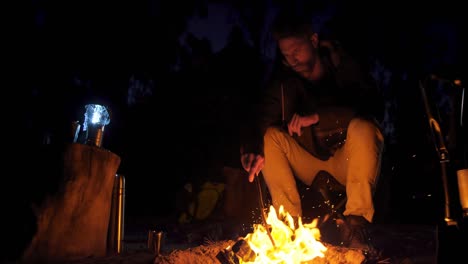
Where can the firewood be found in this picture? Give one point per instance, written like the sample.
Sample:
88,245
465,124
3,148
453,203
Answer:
207,254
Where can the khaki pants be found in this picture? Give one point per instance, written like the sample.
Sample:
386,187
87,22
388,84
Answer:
355,165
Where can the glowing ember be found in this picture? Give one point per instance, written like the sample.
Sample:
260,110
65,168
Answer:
292,244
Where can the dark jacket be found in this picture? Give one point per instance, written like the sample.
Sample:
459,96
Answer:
347,91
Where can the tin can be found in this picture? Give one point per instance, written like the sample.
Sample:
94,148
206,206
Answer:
95,135
155,239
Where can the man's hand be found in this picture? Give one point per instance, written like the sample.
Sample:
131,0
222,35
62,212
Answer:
298,122
253,164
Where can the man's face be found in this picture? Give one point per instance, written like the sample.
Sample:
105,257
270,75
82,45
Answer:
300,53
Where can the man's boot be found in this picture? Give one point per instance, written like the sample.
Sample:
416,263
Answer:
355,235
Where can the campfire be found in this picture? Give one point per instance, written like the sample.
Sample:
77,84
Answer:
282,241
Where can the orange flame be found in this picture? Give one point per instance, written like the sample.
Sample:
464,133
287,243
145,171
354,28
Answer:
292,245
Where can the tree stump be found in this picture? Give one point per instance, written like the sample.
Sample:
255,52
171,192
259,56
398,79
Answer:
73,222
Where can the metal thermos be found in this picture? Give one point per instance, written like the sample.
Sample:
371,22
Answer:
117,216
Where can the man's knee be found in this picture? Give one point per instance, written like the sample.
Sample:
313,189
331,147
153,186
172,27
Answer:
365,128
272,134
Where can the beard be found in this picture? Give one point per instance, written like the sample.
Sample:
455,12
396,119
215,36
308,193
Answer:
305,69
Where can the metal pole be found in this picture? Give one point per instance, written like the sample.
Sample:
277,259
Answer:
442,153
263,214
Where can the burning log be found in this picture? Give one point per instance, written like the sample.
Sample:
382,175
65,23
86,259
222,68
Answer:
239,251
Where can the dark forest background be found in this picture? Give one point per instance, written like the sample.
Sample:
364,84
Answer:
178,76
